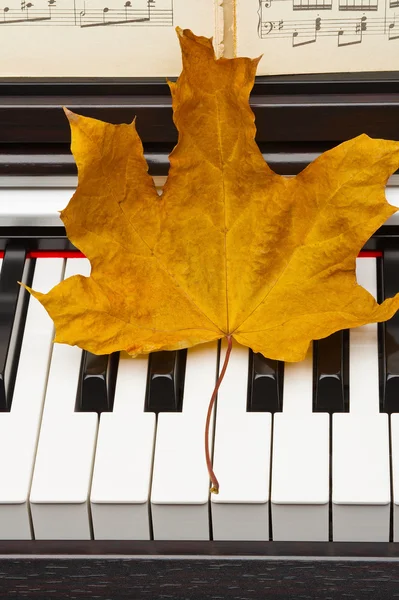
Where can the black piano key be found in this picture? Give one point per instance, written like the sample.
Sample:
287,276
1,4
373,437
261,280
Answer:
331,373
97,381
381,334
13,308
265,384
390,335
165,381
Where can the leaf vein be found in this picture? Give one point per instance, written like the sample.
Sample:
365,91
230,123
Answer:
162,266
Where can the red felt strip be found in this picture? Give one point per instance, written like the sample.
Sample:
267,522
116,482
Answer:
77,254
55,254
51,254
370,253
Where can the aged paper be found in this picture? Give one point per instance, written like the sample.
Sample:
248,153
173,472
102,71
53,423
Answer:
101,38
319,36
229,30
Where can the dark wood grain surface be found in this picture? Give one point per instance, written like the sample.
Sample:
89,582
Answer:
197,579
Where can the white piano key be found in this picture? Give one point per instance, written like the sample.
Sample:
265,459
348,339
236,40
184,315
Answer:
62,474
123,462
360,447
241,458
27,201
180,485
300,461
19,428
40,207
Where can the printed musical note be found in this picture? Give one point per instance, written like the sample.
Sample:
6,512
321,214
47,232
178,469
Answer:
157,13
319,36
349,37
358,5
393,29
82,14
303,36
25,14
144,12
348,30
312,4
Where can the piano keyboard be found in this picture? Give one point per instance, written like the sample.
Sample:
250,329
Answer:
112,448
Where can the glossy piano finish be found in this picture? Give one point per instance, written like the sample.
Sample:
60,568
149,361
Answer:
97,382
296,108
297,118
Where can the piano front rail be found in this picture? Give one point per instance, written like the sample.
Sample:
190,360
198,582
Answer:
115,570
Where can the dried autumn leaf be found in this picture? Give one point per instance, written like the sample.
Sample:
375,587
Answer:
230,247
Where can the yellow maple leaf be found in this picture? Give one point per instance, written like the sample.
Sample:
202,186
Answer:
230,248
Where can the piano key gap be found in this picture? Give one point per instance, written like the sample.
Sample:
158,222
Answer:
391,517
16,267
150,520
382,376
89,511
99,398
381,334
219,348
25,299
330,508
346,369
270,480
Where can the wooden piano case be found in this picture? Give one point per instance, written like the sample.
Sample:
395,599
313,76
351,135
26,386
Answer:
297,117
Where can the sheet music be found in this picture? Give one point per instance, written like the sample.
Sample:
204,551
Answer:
319,36
101,38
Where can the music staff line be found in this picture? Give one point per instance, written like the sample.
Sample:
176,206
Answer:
343,5
126,14
347,31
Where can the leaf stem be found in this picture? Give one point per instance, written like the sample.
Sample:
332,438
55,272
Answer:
212,476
